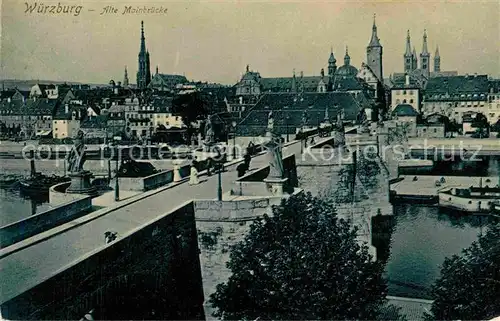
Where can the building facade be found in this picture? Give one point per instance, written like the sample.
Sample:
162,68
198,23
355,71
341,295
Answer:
455,96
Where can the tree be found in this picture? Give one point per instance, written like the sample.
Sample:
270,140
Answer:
301,263
469,286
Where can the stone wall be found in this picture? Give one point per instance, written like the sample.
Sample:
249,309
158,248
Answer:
221,224
147,183
57,196
44,221
152,273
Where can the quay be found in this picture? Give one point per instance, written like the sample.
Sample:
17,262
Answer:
425,189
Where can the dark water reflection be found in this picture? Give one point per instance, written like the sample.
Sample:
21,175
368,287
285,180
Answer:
421,239
14,205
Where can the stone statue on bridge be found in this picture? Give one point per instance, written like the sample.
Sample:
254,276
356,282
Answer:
76,157
80,178
273,148
209,132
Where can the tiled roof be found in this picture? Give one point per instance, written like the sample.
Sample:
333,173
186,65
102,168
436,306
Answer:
293,106
494,85
61,113
347,83
457,85
310,83
14,107
95,122
173,78
404,110
41,106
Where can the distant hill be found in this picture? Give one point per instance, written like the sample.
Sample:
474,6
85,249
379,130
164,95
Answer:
27,84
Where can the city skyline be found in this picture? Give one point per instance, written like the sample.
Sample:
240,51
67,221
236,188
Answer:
214,42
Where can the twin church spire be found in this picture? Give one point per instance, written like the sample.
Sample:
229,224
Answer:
411,60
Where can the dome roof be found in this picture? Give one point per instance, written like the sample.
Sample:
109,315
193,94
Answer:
346,71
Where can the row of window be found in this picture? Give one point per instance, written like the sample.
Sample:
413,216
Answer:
409,92
398,101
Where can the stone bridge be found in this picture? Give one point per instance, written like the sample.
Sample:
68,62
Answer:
172,245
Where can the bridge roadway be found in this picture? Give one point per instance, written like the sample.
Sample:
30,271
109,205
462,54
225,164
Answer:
34,260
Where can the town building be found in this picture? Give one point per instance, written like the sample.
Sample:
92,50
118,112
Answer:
166,82
493,106
406,93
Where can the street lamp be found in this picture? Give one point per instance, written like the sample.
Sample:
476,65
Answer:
234,138
287,118
117,186
219,187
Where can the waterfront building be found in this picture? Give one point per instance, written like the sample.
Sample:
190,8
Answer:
454,96
405,114
493,106
66,121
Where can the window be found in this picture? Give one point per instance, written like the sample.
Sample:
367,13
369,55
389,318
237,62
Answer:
411,101
404,92
404,101
411,92
435,130
397,101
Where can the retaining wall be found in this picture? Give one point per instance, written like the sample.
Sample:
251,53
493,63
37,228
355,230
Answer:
44,221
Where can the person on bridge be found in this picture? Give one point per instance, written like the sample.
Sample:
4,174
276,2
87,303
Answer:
193,177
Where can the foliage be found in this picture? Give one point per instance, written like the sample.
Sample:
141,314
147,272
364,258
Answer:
496,127
481,123
191,107
469,286
301,263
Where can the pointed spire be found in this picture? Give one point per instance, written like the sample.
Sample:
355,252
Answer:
374,41
327,118
347,58
125,78
436,55
332,59
143,39
424,45
414,51
408,44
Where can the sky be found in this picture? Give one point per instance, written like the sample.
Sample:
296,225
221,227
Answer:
215,40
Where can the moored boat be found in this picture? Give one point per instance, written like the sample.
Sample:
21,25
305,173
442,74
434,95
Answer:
40,183
472,199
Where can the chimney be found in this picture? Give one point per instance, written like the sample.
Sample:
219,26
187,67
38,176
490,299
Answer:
66,108
407,80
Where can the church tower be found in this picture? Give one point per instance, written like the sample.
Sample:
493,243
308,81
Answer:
408,56
425,56
437,61
125,78
414,65
144,71
374,53
332,66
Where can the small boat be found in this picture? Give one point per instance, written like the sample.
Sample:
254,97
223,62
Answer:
40,183
8,181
